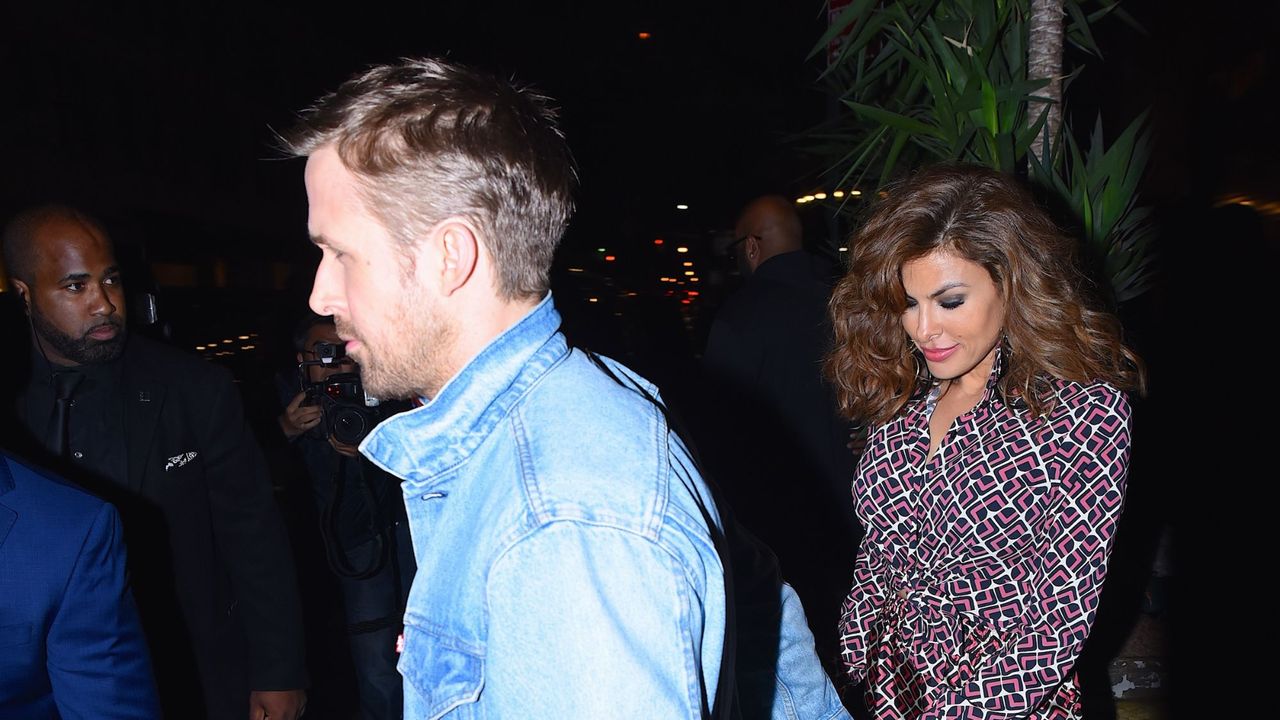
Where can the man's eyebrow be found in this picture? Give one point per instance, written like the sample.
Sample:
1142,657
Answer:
82,276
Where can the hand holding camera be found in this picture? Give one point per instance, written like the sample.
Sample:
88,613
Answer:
298,416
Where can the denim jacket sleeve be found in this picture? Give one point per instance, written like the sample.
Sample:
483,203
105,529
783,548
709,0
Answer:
590,621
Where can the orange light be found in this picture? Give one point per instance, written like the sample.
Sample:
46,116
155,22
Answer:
657,241
688,273
686,301
643,35
687,263
610,258
693,293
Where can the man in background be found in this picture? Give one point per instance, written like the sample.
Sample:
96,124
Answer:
360,522
775,443
161,434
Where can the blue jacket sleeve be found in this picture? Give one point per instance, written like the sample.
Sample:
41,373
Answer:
97,656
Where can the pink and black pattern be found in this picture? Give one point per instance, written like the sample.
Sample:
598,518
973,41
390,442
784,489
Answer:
978,578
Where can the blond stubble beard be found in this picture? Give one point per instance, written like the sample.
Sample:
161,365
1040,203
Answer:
415,361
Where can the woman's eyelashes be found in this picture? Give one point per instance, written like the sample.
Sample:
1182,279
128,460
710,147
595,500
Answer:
951,303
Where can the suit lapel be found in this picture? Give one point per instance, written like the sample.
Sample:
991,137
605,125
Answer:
143,401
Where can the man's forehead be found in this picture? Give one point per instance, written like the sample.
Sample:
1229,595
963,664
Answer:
63,241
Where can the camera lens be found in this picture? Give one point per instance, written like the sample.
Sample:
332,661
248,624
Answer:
349,425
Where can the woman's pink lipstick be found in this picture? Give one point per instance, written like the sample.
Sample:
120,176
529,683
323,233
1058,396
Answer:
939,355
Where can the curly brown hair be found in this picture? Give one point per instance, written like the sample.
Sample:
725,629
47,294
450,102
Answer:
1054,327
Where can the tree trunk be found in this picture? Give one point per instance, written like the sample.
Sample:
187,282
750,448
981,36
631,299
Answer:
1044,60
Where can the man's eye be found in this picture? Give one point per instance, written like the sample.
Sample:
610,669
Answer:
75,287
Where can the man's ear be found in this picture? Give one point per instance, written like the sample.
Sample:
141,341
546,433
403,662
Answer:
458,243
24,294
752,249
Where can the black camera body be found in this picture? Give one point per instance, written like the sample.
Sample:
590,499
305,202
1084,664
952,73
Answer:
346,413
344,409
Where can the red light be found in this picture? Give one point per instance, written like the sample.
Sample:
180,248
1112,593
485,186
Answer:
610,258
657,241
685,301
693,293
643,35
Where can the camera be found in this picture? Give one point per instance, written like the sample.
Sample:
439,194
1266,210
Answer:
347,413
344,409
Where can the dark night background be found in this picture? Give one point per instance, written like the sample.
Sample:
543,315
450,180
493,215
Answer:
158,117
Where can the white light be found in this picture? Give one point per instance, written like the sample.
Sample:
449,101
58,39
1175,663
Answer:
593,299
242,337
844,249
820,196
838,193
682,207
855,193
682,249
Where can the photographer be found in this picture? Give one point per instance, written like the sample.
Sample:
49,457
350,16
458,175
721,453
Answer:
360,511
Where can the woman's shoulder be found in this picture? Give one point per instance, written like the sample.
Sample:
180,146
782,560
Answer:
1096,400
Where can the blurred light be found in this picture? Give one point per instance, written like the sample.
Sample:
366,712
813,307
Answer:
682,249
801,201
838,193
685,301
228,341
820,196
855,193
844,249
808,198
243,337
610,258
593,299
687,263
693,279
575,269
643,35
682,207
247,347
657,241
688,273
599,249
693,293
199,347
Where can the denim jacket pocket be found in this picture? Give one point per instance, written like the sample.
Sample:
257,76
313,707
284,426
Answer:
440,674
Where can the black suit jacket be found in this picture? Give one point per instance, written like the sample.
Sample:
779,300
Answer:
211,562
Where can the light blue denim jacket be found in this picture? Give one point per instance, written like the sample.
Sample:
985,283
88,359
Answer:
566,546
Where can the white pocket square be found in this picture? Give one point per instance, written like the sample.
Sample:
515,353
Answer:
180,460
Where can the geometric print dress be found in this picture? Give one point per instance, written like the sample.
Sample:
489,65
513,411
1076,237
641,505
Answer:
978,576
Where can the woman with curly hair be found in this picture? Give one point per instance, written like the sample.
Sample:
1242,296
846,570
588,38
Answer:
994,473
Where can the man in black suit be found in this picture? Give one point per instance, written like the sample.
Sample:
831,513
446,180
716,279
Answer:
776,444
162,435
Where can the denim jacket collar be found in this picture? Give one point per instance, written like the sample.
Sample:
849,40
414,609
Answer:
419,444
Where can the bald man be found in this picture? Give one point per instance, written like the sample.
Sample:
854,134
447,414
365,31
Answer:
778,447
161,434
